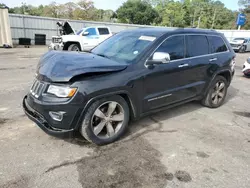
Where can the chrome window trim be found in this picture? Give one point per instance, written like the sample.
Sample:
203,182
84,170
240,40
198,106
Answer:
187,58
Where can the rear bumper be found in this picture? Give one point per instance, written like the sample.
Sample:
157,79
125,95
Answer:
43,124
246,68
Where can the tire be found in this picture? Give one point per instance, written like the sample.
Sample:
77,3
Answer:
99,117
210,99
242,49
247,75
74,47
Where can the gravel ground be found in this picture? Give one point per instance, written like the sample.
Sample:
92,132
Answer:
188,146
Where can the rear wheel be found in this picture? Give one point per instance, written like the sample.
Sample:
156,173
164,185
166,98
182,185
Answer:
106,120
216,93
74,47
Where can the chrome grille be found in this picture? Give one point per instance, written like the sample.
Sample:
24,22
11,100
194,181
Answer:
36,88
56,40
234,45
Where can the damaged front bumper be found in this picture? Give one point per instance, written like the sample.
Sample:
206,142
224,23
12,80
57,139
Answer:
56,46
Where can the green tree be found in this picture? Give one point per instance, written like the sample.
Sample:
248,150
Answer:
137,12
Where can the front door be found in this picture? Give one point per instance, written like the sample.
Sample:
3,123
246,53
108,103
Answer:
182,78
91,40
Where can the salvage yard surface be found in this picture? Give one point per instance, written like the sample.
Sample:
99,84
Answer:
187,146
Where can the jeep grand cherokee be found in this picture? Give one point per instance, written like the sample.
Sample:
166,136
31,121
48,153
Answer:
128,76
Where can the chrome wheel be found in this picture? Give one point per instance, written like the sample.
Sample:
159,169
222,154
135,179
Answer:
75,48
107,119
218,93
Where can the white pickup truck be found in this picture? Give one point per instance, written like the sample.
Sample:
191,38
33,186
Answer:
83,40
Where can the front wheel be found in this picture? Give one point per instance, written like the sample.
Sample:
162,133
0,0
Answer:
216,93
242,49
74,47
106,120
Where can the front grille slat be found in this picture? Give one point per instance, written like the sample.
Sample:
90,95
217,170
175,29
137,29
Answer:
37,88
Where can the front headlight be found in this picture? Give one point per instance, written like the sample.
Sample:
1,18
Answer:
62,92
59,40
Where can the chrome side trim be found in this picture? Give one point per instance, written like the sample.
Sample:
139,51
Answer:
156,98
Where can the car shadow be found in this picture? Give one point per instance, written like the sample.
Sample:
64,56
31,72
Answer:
143,126
231,93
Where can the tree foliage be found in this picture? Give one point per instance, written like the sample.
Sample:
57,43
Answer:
137,12
171,13
82,10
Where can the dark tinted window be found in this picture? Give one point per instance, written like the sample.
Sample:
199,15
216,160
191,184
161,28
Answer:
217,44
174,46
103,31
92,31
197,45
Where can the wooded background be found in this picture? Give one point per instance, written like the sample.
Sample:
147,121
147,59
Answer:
187,13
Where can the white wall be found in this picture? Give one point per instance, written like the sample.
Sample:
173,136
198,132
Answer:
231,34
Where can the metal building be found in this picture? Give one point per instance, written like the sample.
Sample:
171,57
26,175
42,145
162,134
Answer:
25,26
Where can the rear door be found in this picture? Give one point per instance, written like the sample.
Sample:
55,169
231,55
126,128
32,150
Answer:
248,45
199,58
221,52
104,33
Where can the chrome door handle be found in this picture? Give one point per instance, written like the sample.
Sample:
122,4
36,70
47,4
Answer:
213,59
183,65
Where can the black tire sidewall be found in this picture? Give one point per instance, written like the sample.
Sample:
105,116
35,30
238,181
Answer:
73,46
86,124
242,49
217,79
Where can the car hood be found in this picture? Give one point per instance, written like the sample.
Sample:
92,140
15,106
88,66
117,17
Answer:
237,42
56,66
66,28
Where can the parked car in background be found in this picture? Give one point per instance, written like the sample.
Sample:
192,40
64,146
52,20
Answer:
130,75
240,44
246,67
82,40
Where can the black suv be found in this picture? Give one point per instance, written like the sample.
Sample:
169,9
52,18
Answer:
129,75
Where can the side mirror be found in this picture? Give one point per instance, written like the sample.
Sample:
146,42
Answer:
85,33
159,58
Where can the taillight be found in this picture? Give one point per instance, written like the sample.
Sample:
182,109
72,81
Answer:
232,64
234,60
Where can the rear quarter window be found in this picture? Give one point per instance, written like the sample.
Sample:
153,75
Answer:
217,44
103,31
196,45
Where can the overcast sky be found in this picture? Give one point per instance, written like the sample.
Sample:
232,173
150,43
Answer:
101,4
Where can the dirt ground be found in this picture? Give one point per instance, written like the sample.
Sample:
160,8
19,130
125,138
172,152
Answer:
188,146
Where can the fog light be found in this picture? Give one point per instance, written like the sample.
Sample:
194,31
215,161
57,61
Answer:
57,116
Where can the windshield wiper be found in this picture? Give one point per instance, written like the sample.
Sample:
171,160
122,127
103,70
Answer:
102,55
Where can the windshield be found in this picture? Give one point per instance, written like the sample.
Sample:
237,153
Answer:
239,39
124,47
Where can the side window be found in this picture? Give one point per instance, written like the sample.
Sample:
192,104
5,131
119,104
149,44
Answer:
174,46
197,45
103,31
217,44
92,31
